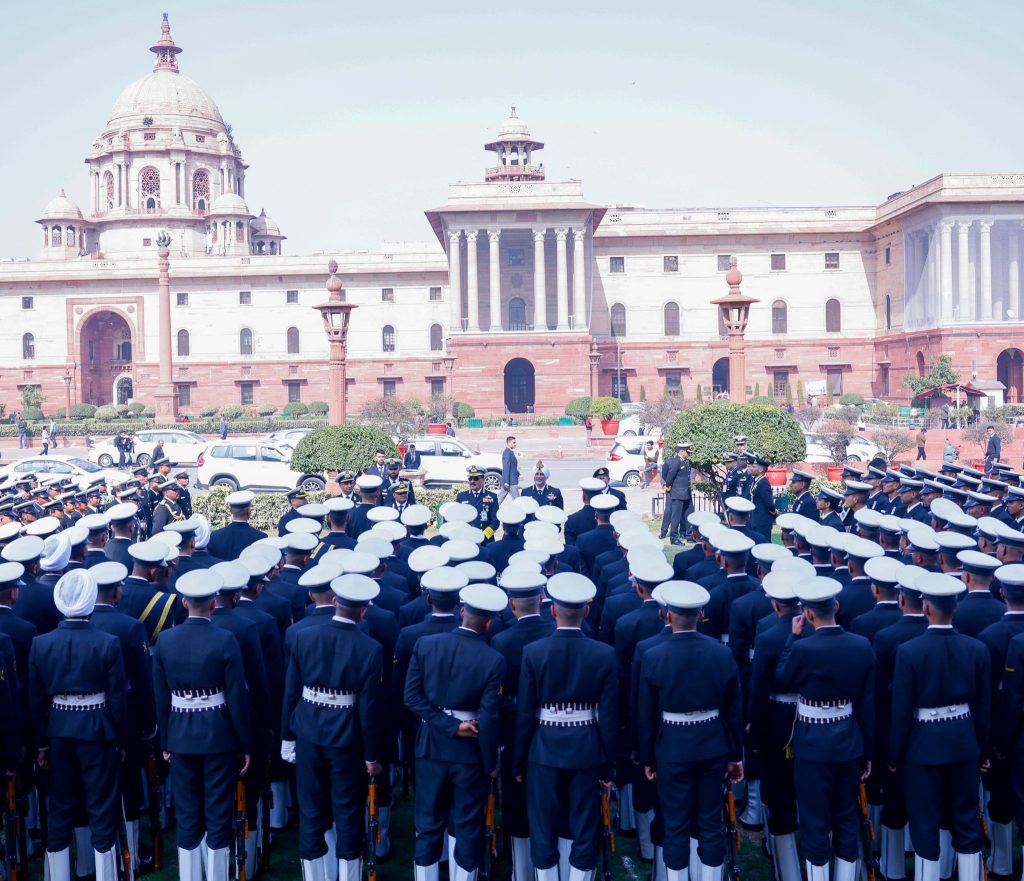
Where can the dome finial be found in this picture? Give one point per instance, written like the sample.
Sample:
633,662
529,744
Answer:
513,114
165,50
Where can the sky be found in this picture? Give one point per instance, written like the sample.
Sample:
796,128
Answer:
355,116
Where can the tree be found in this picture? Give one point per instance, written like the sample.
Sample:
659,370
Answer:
607,408
394,416
757,389
835,436
32,396
801,400
659,414
893,441
337,447
807,416
941,372
975,433
580,408
789,394
828,394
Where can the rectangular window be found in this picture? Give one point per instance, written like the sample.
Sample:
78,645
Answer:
389,388
146,243
778,262
834,377
888,255
670,264
184,396
181,299
28,303
246,393
435,295
437,388
387,295
723,262
673,384
620,386
831,259
294,392
780,379
516,257
245,298
616,264
291,296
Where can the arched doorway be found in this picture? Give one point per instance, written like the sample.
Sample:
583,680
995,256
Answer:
919,361
1010,372
106,351
519,386
720,376
124,390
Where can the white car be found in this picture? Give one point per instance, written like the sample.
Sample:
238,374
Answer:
629,426
246,464
625,460
180,447
860,449
287,439
445,460
64,466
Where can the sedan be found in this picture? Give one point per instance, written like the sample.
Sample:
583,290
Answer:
62,466
180,447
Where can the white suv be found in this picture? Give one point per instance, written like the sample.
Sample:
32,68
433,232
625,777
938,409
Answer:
445,460
180,447
252,465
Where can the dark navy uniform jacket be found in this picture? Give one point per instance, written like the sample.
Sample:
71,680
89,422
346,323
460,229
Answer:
763,516
940,668
976,610
642,647
76,658
831,665
315,616
117,550
918,512
93,556
715,619
884,614
197,657
854,600
413,612
579,523
433,685
358,522
599,539
886,642
276,606
831,519
286,585
712,684
614,608
330,542
804,504
567,668
338,657
771,722
35,603
744,613
271,646
879,501
510,644
676,475
486,504
631,629
154,608
137,665
261,710
498,553
997,639
682,561
286,518
229,541
430,625
545,495
22,633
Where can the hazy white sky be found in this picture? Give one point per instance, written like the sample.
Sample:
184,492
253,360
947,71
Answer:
354,116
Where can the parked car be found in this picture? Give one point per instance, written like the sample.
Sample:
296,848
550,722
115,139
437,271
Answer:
445,460
630,426
625,461
65,466
859,450
180,447
286,439
242,464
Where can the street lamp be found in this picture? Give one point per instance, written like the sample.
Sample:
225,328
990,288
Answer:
336,313
734,309
595,361
67,391
449,365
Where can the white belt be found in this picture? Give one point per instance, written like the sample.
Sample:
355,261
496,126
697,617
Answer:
750,654
92,701
783,698
462,715
692,718
724,638
812,713
565,715
328,698
941,714
196,703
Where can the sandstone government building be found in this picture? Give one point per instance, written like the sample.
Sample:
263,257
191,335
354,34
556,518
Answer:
522,280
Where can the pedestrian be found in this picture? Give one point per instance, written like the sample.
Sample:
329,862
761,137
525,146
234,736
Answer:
22,432
920,440
90,441
509,471
45,439
449,430
651,453
993,449
223,428
588,425
949,452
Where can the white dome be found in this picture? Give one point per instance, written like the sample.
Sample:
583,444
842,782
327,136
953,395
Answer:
62,208
514,128
229,203
264,226
165,93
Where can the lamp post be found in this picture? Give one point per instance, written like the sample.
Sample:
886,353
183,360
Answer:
595,361
336,313
449,365
735,310
67,392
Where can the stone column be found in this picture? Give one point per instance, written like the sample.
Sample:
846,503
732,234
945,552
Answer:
578,305
494,265
166,400
963,284
1013,268
455,280
540,301
945,268
985,258
562,278
933,273
472,283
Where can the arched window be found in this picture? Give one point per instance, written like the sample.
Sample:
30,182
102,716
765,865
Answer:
69,237
245,341
184,345
259,247
55,236
293,341
780,317
108,186
149,187
436,338
833,317
517,314
671,319
388,338
888,312
200,189
239,231
28,347
618,320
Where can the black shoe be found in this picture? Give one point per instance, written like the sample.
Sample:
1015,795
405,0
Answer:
676,541
663,536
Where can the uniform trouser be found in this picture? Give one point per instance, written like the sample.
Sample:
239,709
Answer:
894,796
92,769
998,780
690,795
331,784
1017,766
778,792
676,516
255,782
203,788
452,792
131,780
826,794
513,802
560,797
935,792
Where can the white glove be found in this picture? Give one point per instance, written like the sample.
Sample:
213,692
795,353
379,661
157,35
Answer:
288,751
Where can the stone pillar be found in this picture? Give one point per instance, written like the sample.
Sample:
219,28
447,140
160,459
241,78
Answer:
472,283
933,274
494,265
562,278
165,398
540,300
985,258
963,283
578,304
455,280
945,260
1013,268
92,194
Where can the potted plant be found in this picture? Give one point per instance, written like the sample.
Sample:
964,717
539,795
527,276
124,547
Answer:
608,410
776,475
436,411
835,436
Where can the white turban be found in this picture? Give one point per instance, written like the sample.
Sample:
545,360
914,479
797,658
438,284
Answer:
75,593
202,531
56,552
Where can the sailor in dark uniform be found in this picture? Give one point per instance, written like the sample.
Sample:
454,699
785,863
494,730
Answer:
676,479
369,486
77,689
400,495
803,501
910,498
139,596
329,728
184,496
831,672
98,526
599,539
583,521
735,481
285,582
296,499
890,484
347,485
339,511
855,498
940,730
882,572
951,543
228,542
511,517
541,490
35,599
203,712
857,597
690,738
123,529
483,500
760,493
828,501
566,729
604,476
978,607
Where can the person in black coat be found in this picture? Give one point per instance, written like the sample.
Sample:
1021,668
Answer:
676,477
35,601
228,542
803,501
604,476
857,597
883,574
296,499
511,518
828,502
599,539
763,517
583,520
978,607
485,502
20,631
285,582
140,599
122,529
339,513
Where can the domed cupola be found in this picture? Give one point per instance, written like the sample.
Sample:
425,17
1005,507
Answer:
63,229
515,148
228,225
266,235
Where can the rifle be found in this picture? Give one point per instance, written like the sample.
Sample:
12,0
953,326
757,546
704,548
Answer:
490,833
867,834
12,834
984,838
241,830
732,834
155,803
125,869
268,804
373,829
607,837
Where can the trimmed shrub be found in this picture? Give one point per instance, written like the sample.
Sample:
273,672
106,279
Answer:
295,408
61,413
136,408
32,414
606,408
851,399
82,411
266,409
581,408
148,413
207,412
463,411
121,410
106,414
231,411
337,447
319,408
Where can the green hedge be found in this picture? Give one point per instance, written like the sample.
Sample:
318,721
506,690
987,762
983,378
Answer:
581,408
102,428
606,408
335,447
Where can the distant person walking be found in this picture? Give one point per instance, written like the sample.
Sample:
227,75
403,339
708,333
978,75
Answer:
921,440
22,433
589,426
45,438
509,471
949,453
223,428
993,449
